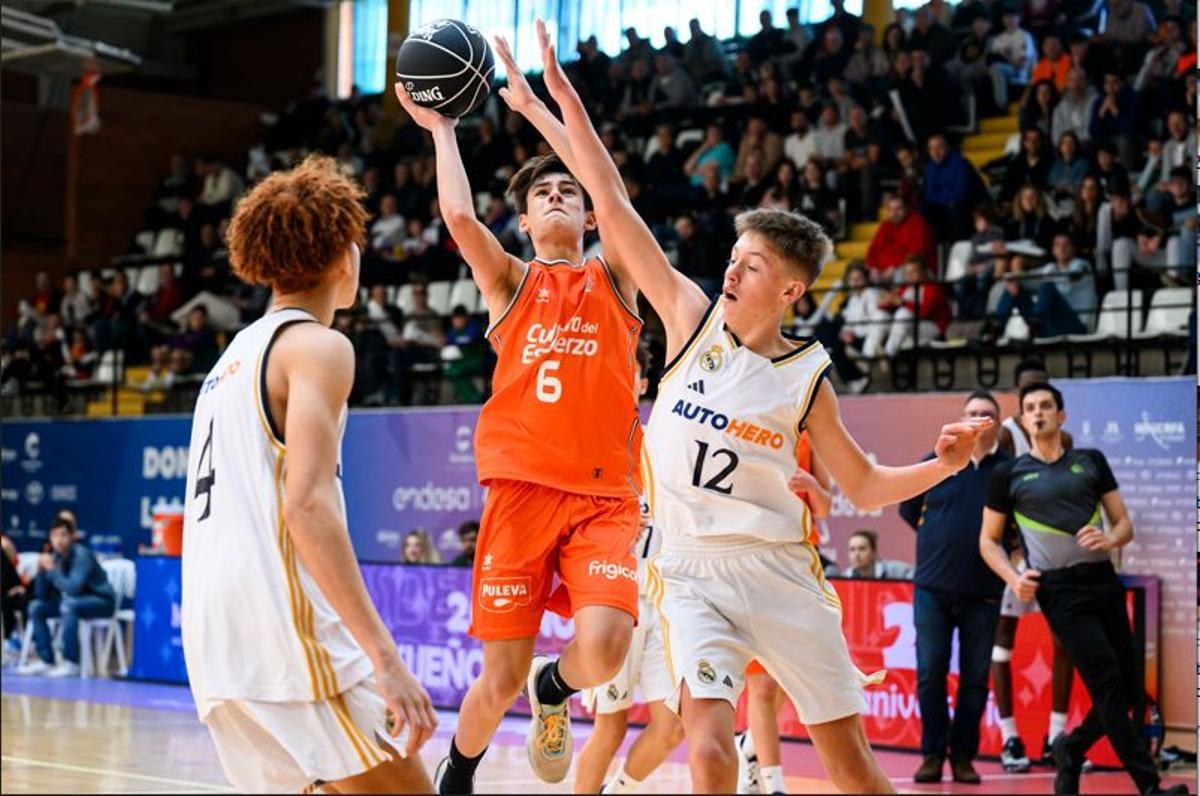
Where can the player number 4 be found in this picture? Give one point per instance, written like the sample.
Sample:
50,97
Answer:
549,388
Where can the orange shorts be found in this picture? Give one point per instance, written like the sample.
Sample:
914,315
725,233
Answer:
528,534
754,667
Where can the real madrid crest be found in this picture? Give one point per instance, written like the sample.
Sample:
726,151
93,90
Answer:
712,359
705,672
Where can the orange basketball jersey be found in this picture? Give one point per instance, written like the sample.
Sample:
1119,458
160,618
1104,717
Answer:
563,411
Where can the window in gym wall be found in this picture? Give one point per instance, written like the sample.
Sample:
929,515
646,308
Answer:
369,26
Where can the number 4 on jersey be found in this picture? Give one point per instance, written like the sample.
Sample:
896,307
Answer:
205,483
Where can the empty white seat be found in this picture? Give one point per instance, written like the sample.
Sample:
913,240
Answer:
465,293
147,281
1168,316
145,240
957,261
107,367
1015,329
404,298
439,297
1113,318
169,243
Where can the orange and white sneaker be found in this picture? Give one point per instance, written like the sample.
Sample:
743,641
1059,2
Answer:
549,742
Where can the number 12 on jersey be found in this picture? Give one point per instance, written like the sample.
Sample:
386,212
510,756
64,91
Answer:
715,482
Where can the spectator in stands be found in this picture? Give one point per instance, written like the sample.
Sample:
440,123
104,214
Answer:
1129,29
1055,63
865,563
841,19
796,38
1117,116
166,299
44,299
830,136
768,43
664,174
1166,241
80,356
463,355
970,66
387,231
204,265
116,324
861,168
1163,157
817,199
801,144
954,589
198,340
698,254
70,585
703,56
1015,56
895,41
868,67
1158,75
713,148
1085,216
900,236
638,49
831,57
864,322
750,184
1029,166
468,533
179,181
711,202
418,549
931,36
1055,298
784,192
160,375
671,89
1030,221
75,307
1068,170
761,140
422,340
948,190
1125,224
987,243
1075,110
919,299
672,45
1037,112
221,186
636,104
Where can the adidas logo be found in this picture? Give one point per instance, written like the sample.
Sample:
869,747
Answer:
697,386
728,683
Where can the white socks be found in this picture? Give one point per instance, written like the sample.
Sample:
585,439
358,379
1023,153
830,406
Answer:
772,779
1008,728
747,745
622,783
1058,724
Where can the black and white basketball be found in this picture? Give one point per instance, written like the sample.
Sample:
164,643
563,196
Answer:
446,65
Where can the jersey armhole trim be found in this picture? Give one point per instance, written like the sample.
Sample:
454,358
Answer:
806,405
511,302
260,386
612,281
700,331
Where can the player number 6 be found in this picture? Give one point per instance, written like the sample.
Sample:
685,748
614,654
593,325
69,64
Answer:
549,388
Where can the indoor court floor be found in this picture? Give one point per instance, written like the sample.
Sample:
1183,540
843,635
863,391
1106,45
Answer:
106,736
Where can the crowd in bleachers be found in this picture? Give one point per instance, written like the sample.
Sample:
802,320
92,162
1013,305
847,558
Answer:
1095,194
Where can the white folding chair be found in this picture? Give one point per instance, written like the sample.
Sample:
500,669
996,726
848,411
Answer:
439,297
465,293
122,574
1113,317
1168,316
404,298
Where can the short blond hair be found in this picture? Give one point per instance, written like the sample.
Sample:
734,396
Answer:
798,239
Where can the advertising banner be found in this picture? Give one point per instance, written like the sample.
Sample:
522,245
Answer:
157,638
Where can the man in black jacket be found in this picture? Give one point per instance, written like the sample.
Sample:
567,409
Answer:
955,589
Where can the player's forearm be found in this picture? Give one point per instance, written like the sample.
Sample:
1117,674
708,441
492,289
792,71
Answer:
821,502
1121,533
322,541
994,556
882,485
455,200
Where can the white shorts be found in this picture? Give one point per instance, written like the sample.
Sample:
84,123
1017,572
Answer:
644,670
289,747
723,606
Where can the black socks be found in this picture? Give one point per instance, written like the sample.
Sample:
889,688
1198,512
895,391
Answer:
459,776
551,690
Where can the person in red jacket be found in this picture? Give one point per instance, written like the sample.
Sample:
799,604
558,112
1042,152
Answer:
902,235
930,306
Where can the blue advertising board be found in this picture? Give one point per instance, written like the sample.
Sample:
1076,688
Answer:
157,639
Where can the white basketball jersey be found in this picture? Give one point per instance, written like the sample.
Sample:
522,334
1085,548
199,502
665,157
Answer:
723,435
255,624
649,540
1020,441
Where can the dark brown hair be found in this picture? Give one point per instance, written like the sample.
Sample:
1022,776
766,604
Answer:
527,175
799,240
295,224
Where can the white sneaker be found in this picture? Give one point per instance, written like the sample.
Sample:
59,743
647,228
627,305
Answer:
549,742
64,669
34,668
749,778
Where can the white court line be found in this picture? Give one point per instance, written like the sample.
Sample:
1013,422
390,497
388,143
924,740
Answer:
27,761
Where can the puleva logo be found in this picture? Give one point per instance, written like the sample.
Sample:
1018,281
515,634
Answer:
501,595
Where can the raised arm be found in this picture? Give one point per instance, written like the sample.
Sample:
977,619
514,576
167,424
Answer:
634,252
317,366
870,486
496,272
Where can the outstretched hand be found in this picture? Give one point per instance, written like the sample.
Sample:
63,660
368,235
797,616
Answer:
957,440
556,79
517,94
427,118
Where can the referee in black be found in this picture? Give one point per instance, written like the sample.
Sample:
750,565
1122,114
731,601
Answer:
1055,497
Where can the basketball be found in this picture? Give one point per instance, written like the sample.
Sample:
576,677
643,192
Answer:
446,65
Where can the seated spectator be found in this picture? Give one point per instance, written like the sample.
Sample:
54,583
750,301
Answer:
664,173
949,185
1038,109
970,65
817,200
830,136
75,307
1074,111
412,200
166,299
462,356
784,192
801,144
1119,236
901,236
1129,30
713,148
1179,149
1029,166
1055,298
796,37
81,357
421,342
895,41
832,54
116,326
387,231
931,36
704,56
468,534
221,187
204,264
199,341
1015,55
161,376
636,104
70,585
761,140
918,299
1112,175
987,243
862,552
868,66
1068,170
864,322
1030,221
751,183
1159,72
698,255
1055,63
1043,17
862,167
418,549
1117,116
711,202
1166,241
768,43
671,88
45,298
672,46
1085,217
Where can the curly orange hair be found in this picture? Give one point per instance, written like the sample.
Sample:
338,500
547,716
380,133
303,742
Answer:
294,225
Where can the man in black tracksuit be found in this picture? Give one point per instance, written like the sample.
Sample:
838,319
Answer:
1055,497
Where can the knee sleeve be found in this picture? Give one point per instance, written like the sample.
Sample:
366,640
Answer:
1001,654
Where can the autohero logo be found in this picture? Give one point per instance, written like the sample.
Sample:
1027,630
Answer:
610,571
745,430
1164,433
501,595
431,498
